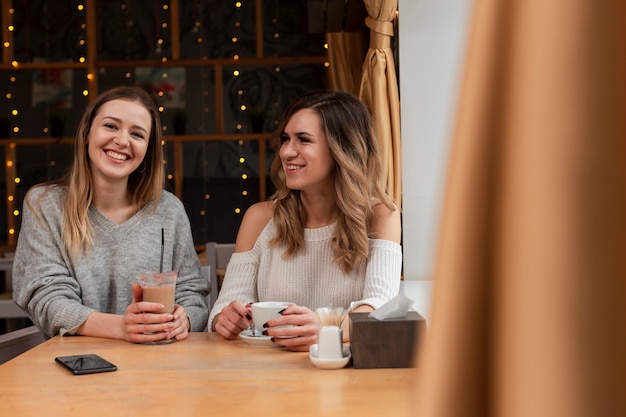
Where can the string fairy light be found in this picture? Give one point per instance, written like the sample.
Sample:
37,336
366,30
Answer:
243,108
205,196
12,128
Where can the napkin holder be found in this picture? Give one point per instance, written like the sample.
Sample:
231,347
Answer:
387,343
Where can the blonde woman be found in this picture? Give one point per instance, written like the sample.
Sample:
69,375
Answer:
329,236
86,238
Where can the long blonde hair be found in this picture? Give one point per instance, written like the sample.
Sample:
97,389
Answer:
358,178
144,184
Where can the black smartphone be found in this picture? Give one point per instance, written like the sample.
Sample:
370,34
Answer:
85,364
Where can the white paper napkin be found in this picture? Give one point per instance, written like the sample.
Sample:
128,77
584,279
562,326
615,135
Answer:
394,308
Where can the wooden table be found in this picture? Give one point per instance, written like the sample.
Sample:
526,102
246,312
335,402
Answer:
201,376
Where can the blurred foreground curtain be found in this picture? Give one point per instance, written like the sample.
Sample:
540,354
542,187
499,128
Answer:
529,300
379,90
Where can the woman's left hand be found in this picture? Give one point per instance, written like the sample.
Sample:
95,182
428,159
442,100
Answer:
181,324
302,332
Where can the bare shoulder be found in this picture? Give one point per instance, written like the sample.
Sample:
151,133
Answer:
254,221
386,223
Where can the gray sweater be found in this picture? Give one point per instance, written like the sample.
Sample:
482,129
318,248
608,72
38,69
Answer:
60,291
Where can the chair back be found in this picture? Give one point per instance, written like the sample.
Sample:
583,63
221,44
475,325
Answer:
217,257
19,341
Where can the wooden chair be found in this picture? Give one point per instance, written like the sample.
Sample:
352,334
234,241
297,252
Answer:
19,341
217,257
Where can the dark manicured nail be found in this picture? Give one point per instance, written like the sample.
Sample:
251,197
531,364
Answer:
266,325
273,340
264,332
282,311
248,316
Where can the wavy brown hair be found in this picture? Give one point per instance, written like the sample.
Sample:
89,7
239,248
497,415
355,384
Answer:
144,186
358,178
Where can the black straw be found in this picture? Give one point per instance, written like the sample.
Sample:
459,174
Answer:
162,246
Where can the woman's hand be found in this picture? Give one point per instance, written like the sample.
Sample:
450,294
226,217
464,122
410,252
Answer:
233,319
300,335
145,321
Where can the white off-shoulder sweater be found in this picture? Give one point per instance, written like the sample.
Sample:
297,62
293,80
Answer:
310,279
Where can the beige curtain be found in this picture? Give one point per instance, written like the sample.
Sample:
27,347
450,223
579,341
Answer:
379,90
345,55
529,309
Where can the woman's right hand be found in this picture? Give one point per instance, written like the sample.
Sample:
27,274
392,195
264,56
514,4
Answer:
233,319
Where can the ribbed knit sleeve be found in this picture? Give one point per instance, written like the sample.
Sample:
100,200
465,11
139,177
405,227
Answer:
382,276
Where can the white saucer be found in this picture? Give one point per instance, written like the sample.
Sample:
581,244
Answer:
257,341
329,363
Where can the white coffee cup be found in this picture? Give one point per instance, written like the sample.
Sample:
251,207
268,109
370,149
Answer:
264,311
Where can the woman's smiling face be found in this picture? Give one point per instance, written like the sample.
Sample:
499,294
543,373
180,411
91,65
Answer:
306,158
118,139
